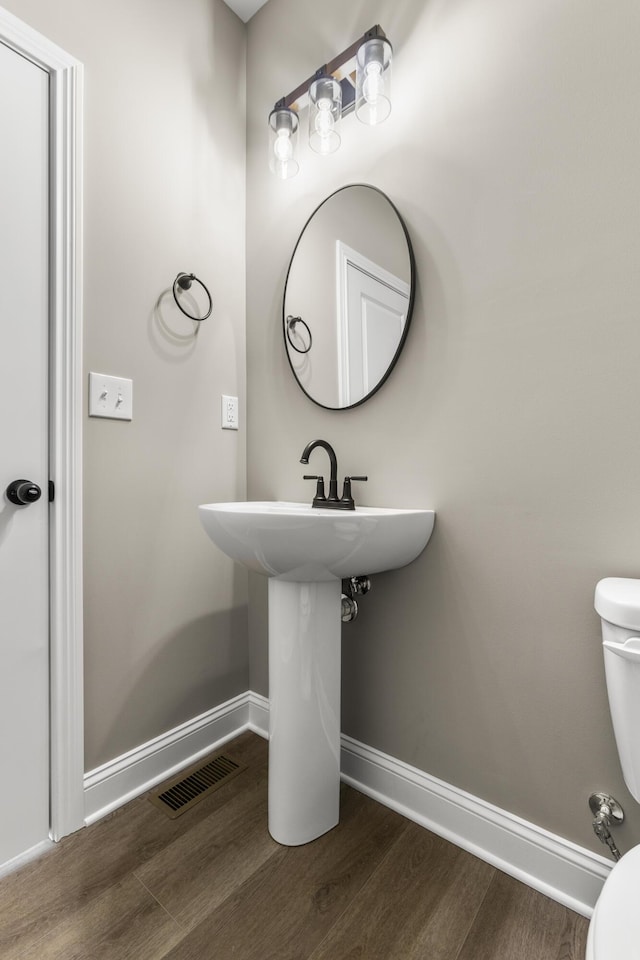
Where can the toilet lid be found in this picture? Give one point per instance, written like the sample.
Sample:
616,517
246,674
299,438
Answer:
618,601
616,923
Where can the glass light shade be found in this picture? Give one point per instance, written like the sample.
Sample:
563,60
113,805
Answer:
325,109
283,141
373,80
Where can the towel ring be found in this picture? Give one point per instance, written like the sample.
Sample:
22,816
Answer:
184,281
291,322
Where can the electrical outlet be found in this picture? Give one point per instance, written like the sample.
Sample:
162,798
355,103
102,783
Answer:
229,413
110,397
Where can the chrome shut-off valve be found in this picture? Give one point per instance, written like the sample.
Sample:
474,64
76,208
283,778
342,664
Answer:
348,608
348,604
360,585
608,813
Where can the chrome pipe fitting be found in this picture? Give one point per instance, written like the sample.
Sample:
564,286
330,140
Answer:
360,585
607,813
348,609
348,605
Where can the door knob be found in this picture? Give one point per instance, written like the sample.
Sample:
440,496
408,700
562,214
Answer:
23,492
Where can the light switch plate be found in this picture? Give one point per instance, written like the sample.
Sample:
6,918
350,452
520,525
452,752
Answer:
229,419
110,397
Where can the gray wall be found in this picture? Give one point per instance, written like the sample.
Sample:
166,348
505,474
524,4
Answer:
513,153
165,613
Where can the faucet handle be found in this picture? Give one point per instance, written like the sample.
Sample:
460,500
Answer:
320,494
347,501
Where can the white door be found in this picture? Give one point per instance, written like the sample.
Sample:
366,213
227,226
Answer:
372,314
24,566
377,315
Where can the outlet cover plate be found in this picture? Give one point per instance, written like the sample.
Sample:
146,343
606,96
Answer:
110,397
229,407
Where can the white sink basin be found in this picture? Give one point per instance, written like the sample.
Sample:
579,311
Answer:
295,542
306,552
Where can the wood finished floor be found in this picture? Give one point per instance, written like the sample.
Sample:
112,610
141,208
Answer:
213,885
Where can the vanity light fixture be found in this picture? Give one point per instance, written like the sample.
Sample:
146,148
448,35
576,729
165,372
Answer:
358,78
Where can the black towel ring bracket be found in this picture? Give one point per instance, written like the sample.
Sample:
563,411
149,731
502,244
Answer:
184,281
291,328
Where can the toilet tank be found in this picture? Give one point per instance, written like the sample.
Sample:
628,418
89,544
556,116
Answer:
617,601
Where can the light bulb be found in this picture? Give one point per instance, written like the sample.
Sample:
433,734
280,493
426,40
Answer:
373,85
373,80
324,122
283,129
282,147
325,107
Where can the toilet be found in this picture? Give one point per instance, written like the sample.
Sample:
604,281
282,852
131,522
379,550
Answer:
614,931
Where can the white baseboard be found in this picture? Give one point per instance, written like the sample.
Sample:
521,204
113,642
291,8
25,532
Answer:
259,715
556,867
560,869
34,853
115,783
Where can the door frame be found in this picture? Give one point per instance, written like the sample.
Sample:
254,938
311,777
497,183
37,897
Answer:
65,421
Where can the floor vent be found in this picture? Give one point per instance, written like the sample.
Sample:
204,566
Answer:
194,784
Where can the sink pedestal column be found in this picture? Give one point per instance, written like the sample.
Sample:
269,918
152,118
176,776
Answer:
304,718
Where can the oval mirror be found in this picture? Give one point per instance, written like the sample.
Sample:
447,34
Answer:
348,297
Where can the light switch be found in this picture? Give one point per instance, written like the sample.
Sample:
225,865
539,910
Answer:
110,397
229,413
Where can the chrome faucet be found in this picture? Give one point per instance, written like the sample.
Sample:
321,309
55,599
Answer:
332,502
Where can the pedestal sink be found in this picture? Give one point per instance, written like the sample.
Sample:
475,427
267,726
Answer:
306,553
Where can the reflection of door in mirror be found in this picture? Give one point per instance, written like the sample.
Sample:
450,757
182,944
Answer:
371,313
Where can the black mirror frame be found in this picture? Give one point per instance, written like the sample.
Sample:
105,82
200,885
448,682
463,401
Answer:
412,265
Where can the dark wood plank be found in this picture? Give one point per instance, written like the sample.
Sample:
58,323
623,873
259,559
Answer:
290,904
419,903
124,923
202,868
86,864
517,921
214,884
